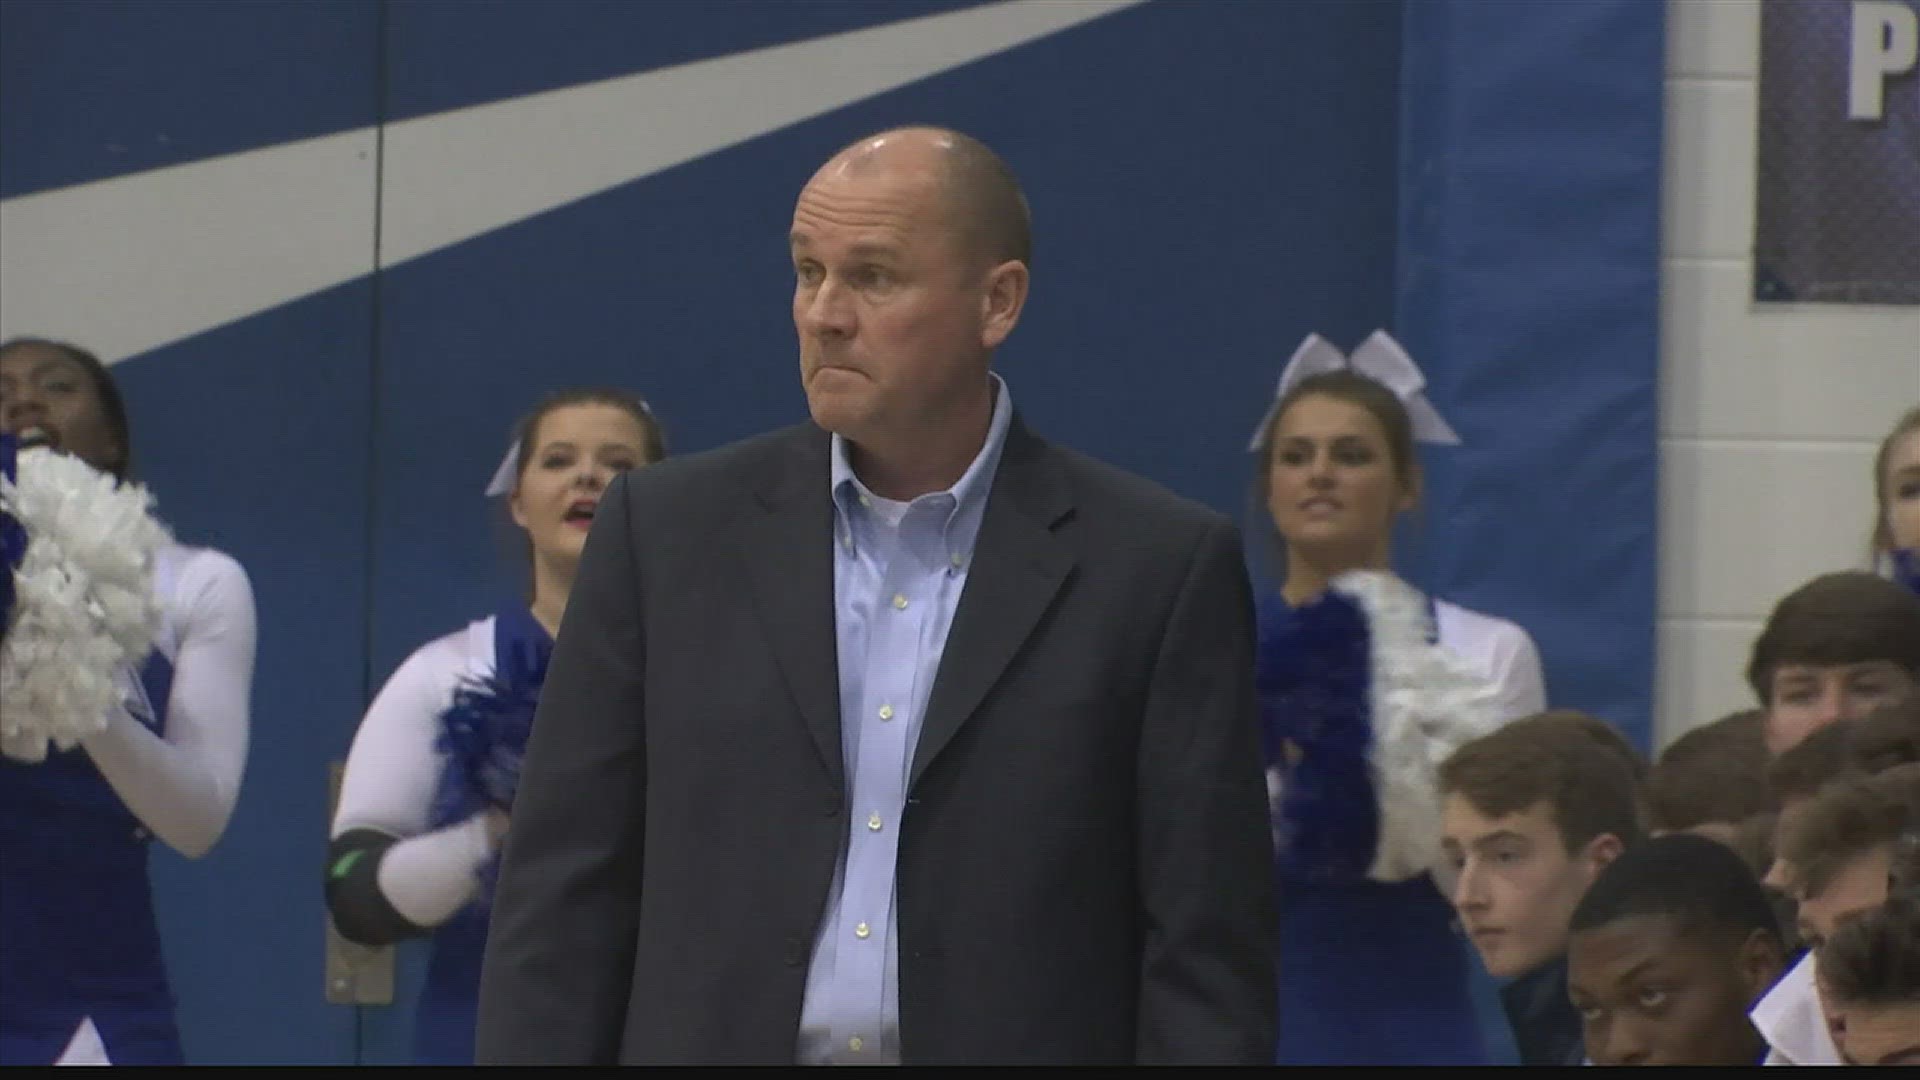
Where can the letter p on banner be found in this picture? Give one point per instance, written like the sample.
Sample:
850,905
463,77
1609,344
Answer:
1886,41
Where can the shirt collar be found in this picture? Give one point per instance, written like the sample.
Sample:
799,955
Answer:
1789,1018
968,494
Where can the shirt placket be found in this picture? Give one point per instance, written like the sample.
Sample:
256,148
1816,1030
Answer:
866,924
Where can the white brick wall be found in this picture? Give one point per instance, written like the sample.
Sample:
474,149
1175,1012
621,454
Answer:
1769,413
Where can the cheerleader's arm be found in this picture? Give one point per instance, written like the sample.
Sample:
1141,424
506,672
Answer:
183,787
389,875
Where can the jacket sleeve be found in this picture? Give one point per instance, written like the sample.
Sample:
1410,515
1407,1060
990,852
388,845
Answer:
1207,986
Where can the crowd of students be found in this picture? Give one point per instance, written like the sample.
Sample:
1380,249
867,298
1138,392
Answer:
1753,895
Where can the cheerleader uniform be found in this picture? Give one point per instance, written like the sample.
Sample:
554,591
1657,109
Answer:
82,978
1370,972
412,853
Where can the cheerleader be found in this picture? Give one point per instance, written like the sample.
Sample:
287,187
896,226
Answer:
1371,970
82,979
1896,482
426,797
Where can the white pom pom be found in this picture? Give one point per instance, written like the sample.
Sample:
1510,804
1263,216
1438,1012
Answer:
84,611
1426,704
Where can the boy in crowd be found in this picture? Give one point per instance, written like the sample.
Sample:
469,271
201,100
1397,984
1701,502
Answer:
1669,949
1833,649
1840,849
1711,780
1870,980
1798,774
1838,852
1531,815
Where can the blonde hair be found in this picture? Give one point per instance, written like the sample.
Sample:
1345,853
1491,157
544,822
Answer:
1882,494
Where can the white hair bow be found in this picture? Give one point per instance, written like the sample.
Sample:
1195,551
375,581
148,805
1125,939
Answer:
507,473
1379,358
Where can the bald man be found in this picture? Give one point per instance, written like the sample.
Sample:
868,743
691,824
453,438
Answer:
902,735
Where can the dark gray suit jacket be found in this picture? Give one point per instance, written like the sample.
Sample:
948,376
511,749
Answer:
1084,870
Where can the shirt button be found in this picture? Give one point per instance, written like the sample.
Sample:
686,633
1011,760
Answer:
846,542
863,931
899,602
873,821
957,561
886,712
865,501
855,1044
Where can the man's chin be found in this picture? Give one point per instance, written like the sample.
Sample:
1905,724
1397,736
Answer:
838,414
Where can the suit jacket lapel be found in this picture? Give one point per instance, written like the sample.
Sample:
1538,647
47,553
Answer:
1019,565
787,543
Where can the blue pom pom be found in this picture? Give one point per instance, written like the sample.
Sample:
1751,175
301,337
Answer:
483,734
1313,672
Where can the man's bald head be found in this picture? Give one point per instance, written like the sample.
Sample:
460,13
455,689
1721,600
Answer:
987,207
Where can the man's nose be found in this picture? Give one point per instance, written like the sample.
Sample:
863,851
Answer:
827,312
1467,893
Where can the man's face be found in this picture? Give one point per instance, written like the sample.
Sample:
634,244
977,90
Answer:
1650,995
1516,884
1807,697
895,314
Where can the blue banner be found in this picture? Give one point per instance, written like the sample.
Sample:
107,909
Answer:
1529,291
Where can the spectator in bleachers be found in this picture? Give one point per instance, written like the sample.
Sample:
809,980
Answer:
1834,648
1794,778
1896,483
1797,775
1870,978
1531,816
1669,949
1711,780
1839,850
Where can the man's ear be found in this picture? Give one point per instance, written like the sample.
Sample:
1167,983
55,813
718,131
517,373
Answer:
1600,853
1002,302
1761,959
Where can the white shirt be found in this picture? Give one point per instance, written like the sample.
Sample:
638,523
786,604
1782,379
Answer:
182,786
394,769
1504,653
1501,650
1791,1020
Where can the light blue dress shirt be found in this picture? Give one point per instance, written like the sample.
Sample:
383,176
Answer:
898,570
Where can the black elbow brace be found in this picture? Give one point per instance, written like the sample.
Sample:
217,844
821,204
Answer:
360,910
